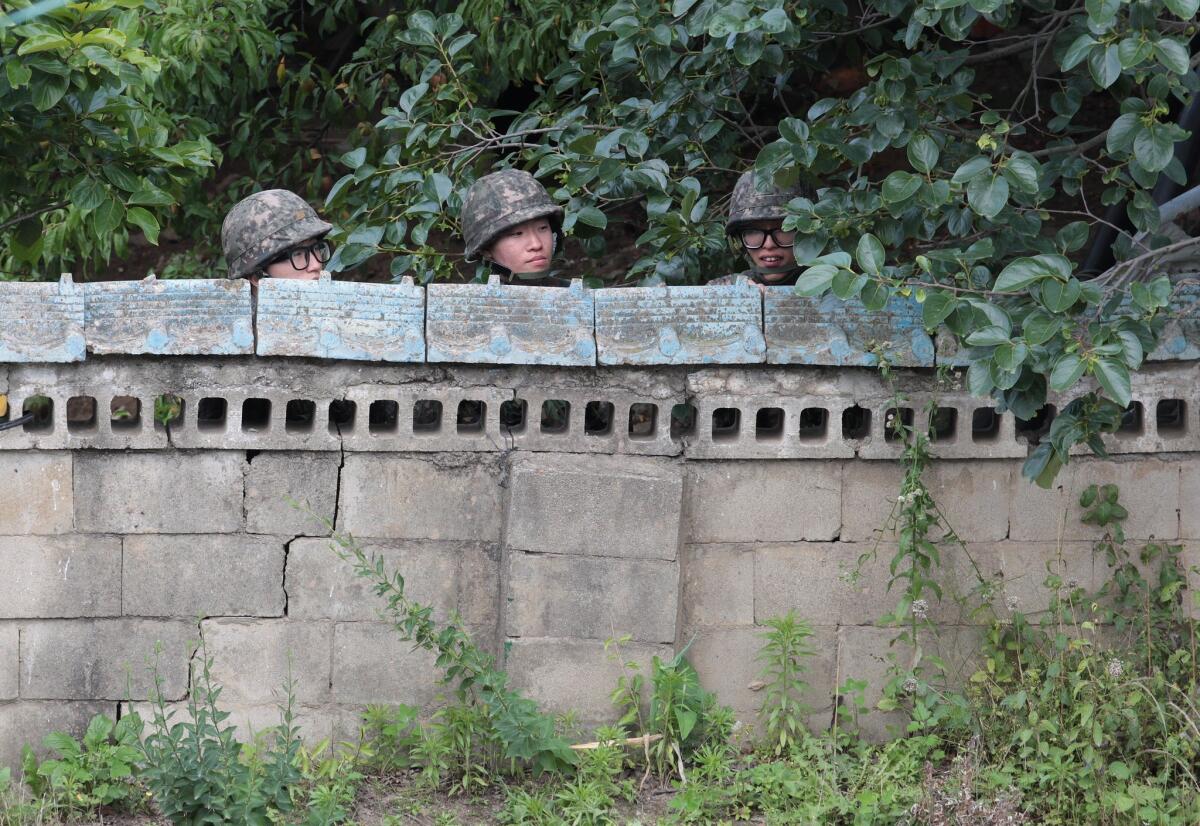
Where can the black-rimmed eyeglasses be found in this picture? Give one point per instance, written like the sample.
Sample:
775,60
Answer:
753,239
298,255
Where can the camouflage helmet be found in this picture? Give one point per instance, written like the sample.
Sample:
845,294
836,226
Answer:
500,201
261,226
749,203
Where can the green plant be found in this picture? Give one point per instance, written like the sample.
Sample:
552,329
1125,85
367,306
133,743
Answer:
489,709
330,781
238,784
390,735
783,655
168,408
90,775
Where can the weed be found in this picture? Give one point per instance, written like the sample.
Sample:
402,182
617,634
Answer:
199,773
783,657
89,775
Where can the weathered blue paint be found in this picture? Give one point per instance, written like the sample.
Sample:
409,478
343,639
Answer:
829,331
1180,339
178,318
42,322
496,323
680,325
341,320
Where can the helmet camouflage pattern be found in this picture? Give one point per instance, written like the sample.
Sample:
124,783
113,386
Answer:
500,201
749,203
261,226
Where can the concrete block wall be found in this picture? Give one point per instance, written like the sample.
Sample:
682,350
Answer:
546,541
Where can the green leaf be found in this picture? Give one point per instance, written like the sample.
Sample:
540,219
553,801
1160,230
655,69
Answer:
442,186
979,378
108,215
1123,132
18,73
47,90
1105,66
1172,54
592,217
774,21
88,194
150,195
816,280
875,296
900,186
870,254
43,43
988,336
355,158
1039,327
1132,352
1011,355
971,169
923,153
1060,296
1102,12
687,719
1067,370
1133,50
1078,51
1024,271
1183,9
142,218
681,7
1021,171
1042,465
987,195
938,305
1113,376
1154,148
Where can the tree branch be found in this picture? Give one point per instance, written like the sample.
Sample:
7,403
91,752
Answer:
49,208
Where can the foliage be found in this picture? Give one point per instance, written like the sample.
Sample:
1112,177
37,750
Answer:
91,151
682,716
935,175
1090,710
509,721
331,781
785,649
199,773
90,775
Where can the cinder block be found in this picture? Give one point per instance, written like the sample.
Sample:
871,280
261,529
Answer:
64,576
448,576
44,502
783,501
718,585
9,660
564,596
1028,565
973,495
829,331
315,723
28,723
371,664
203,575
1180,338
189,317
497,323
596,505
107,659
680,325
275,480
1149,490
41,322
443,496
158,492
822,583
727,661
576,675
341,319
253,659
1189,494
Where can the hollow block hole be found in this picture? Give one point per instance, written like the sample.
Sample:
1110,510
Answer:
256,414
726,423
643,420
598,418
556,416
814,424
768,424
299,415
471,416
683,421
1170,415
856,422
212,413
81,413
513,414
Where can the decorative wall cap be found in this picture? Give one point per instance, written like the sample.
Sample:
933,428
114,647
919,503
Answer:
41,322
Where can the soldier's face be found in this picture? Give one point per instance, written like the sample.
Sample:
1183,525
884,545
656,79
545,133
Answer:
285,265
526,247
771,256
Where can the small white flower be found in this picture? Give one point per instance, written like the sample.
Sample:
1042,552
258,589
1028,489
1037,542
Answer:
1012,603
1115,668
910,684
920,609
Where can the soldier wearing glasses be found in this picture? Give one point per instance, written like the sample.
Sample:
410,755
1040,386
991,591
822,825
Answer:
275,234
756,222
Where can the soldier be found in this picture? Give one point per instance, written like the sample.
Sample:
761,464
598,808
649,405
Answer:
275,233
756,221
510,221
